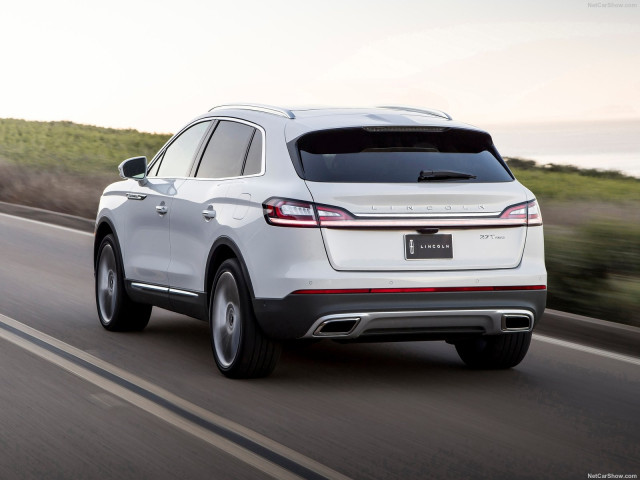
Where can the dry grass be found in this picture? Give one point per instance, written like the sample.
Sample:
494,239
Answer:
79,193
572,214
75,194
592,246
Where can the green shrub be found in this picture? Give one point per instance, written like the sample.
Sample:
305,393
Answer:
594,270
526,164
567,182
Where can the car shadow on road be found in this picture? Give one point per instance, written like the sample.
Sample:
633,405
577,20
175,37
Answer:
323,361
430,362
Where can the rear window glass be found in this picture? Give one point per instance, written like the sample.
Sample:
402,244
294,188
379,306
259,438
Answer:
397,155
253,163
226,151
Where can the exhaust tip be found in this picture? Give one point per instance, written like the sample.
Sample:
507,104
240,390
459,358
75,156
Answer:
517,323
336,328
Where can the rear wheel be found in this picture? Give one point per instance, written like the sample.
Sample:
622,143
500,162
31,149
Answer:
494,351
116,311
240,348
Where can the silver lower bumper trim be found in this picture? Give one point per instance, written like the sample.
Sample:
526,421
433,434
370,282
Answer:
490,321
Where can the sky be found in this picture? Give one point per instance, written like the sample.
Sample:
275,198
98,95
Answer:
154,65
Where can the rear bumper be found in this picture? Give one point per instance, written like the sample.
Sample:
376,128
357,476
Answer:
398,316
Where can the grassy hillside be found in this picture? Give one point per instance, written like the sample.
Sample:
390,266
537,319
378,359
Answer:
568,183
72,148
64,166
592,218
592,238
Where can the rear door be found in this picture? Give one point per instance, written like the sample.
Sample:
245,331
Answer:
216,198
420,199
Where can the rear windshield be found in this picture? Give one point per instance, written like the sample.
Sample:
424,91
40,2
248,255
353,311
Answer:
399,155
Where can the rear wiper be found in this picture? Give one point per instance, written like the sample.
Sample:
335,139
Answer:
430,175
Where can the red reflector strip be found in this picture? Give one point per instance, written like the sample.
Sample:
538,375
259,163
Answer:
332,291
420,290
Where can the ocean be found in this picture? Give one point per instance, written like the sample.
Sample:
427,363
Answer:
611,145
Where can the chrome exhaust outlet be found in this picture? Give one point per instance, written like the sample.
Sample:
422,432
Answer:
339,327
517,322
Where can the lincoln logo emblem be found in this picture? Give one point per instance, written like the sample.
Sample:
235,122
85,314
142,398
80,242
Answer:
411,249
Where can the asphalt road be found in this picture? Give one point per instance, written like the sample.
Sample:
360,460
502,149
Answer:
401,411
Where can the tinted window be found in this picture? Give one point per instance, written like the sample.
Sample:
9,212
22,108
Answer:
397,155
226,151
178,156
253,165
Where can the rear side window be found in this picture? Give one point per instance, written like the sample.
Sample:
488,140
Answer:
179,155
253,164
399,155
225,154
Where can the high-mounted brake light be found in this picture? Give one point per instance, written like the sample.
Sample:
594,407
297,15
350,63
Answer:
294,213
528,211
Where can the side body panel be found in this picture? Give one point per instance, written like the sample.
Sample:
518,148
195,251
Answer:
146,247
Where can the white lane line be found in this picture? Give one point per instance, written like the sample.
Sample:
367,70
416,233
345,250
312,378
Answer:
169,416
52,225
583,348
542,338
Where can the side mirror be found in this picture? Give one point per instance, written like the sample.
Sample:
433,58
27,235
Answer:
135,168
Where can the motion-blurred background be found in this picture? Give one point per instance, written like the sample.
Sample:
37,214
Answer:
556,83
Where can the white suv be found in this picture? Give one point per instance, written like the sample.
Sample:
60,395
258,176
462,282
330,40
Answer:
377,224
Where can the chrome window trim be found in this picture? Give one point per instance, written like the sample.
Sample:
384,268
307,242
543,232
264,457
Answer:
264,149
231,119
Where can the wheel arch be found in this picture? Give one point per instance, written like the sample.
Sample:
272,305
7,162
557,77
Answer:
104,228
222,249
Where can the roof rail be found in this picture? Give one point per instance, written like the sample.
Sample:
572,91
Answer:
429,111
283,112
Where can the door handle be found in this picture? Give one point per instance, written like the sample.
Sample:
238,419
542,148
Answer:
161,209
209,213
136,196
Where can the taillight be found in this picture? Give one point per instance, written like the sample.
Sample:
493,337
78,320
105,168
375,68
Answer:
289,213
534,214
285,212
332,215
295,213
528,211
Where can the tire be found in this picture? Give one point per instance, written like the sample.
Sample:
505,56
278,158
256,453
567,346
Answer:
240,349
495,351
116,311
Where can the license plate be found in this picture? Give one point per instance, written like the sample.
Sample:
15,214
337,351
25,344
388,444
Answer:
419,247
